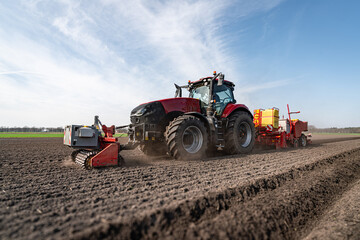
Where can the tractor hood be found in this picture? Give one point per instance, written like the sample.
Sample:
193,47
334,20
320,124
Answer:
181,104
156,110
148,112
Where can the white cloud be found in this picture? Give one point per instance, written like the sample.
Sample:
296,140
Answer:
63,61
264,85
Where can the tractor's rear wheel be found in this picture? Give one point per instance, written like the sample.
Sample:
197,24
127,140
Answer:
153,149
240,134
186,138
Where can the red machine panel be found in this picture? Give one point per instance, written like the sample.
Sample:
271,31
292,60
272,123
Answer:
299,127
107,157
181,105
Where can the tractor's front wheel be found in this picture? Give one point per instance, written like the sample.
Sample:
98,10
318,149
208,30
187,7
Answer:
240,134
186,138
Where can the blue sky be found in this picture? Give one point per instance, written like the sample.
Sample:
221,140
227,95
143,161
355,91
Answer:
62,62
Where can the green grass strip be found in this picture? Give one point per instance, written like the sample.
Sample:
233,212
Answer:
120,135
30,135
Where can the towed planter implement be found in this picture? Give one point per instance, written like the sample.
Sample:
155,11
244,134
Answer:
281,133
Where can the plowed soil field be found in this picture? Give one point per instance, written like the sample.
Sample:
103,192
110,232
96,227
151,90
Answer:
310,193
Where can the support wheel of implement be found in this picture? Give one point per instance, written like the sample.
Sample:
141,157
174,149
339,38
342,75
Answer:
186,138
296,143
83,158
153,148
240,134
73,154
302,141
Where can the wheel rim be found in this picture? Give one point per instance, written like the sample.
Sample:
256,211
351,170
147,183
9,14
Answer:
303,141
192,139
245,134
87,162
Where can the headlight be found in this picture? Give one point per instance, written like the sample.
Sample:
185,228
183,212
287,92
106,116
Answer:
141,111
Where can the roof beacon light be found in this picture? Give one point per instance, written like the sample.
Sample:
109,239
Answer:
214,72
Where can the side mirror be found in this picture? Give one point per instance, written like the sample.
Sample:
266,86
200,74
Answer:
221,79
178,92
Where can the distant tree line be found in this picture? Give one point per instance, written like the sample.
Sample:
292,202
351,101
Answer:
122,130
30,129
43,129
334,130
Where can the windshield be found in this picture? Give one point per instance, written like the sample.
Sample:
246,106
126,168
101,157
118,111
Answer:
201,93
223,94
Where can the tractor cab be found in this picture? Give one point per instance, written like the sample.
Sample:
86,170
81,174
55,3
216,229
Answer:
217,92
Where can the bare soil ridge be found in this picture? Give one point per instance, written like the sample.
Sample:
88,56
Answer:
44,195
271,208
338,222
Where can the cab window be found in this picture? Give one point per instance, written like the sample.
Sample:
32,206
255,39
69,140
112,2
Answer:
201,93
222,96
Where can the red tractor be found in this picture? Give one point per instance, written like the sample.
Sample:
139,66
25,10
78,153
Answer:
190,127
184,127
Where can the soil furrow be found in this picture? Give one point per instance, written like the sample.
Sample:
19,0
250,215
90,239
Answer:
276,207
338,222
43,195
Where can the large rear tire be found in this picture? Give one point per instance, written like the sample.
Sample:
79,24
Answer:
240,134
186,138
